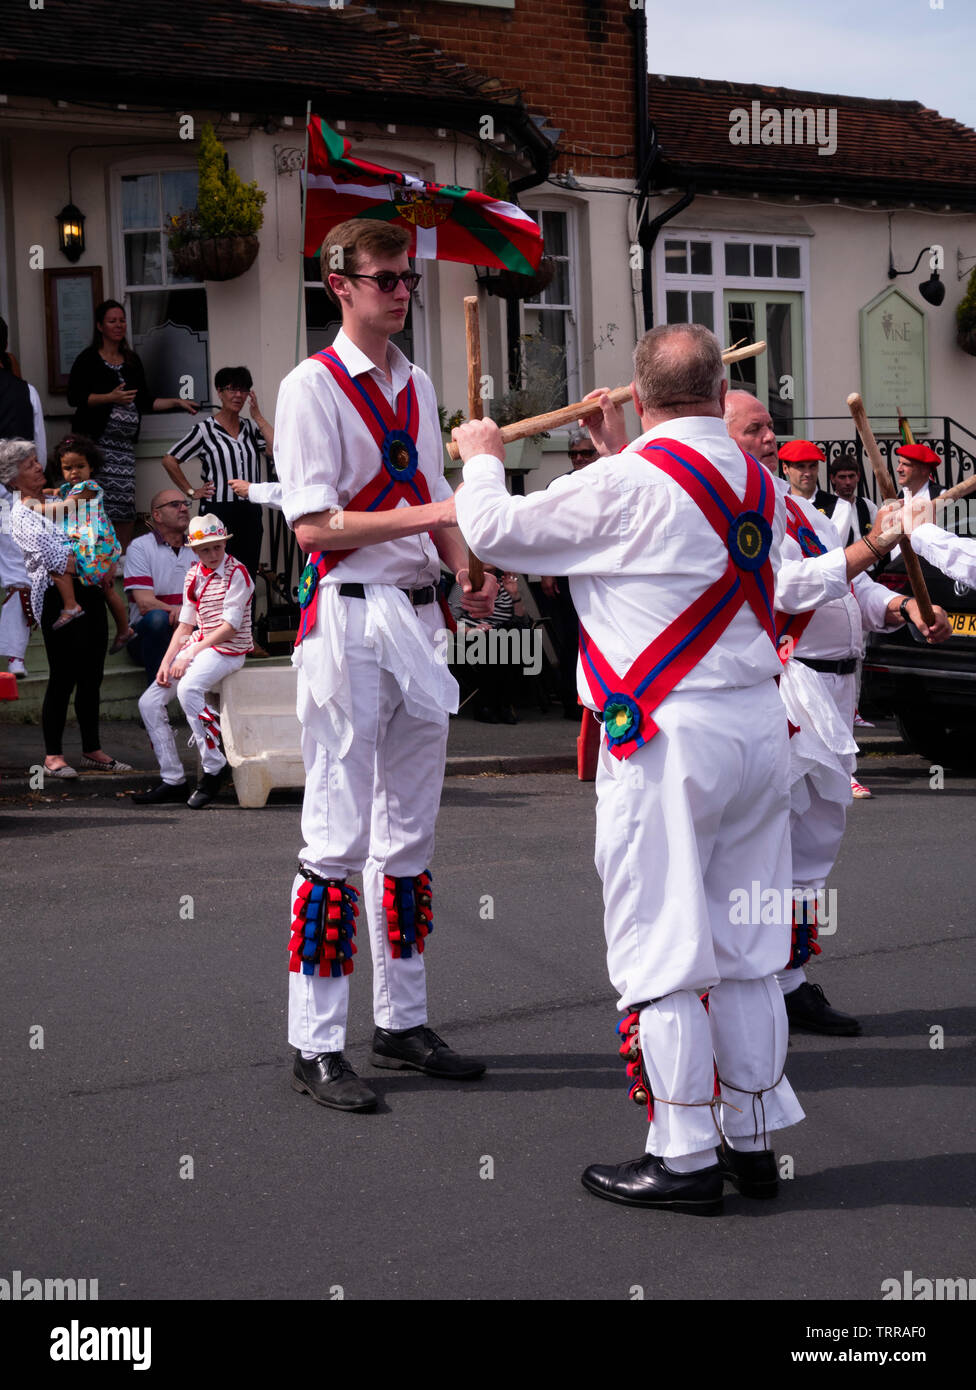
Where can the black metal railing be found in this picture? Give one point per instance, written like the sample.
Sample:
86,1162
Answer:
953,442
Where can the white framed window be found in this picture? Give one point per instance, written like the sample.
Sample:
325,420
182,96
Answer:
167,317
749,285
550,320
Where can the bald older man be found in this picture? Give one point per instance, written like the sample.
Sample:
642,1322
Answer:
155,568
824,603
672,578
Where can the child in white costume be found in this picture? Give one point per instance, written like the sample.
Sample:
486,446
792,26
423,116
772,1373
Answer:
210,641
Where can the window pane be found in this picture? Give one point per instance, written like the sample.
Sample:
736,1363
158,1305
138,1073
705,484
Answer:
736,258
140,200
762,260
701,258
701,308
554,233
677,306
143,258
676,257
779,360
545,348
788,262
742,324
169,332
179,192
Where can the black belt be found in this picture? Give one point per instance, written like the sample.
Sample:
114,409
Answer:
847,667
418,597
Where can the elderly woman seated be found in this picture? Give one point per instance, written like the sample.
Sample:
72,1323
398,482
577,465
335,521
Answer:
75,652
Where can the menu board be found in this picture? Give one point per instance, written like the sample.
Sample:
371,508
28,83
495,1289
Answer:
894,362
70,297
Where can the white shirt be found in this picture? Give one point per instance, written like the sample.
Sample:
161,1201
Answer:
846,520
636,548
13,572
152,564
265,494
953,555
325,455
835,632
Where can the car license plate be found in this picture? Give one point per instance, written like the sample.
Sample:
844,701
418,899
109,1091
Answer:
963,624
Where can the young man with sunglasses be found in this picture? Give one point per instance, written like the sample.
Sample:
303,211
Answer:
360,458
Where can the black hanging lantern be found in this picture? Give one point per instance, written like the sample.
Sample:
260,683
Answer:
71,232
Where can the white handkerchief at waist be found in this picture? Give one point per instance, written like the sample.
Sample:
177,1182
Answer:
824,749
403,646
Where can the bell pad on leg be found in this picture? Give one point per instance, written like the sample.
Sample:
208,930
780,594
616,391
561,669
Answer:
638,1089
805,943
407,908
323,927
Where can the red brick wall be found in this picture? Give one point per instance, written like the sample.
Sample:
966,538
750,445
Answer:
572,59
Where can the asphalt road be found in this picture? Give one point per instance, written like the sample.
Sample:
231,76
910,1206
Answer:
164,1040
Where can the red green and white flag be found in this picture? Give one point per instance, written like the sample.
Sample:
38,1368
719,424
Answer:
447,223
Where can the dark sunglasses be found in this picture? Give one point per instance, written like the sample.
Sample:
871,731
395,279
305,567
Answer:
388,281
582,453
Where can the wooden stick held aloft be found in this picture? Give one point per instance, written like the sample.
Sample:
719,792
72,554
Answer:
888,490
567,414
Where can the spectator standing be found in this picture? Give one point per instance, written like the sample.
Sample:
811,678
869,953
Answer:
108,389
851,514
75,653
21,417
228,448
156,566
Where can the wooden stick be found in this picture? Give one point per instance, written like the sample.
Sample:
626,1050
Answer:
888,490
472,336
960,490
567,414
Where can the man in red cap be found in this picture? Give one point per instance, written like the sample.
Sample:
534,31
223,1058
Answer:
916,468
801,460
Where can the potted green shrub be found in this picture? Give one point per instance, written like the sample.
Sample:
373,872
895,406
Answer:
217,240
966,318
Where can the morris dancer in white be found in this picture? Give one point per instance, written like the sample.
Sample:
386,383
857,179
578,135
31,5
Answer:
953,555
210,641
671,548
821,617
360,456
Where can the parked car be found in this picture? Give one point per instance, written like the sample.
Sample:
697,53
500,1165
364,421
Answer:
930,690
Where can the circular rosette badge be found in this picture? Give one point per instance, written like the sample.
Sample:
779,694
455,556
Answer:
399,456
809,541
750,537
621,719
307,585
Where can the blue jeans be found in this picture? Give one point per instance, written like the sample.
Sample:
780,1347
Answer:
153,632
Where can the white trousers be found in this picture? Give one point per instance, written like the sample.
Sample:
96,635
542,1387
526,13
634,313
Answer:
373,811
685,829
14,631
816,833
205,672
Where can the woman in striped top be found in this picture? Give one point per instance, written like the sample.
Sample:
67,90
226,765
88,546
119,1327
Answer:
228,448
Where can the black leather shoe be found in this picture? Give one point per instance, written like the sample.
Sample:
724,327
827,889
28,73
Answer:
420,1049
810,1012
207,788
330,1080
754,1174
162,791
645,1182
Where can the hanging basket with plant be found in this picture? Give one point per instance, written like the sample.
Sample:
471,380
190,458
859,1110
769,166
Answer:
217,240
966,318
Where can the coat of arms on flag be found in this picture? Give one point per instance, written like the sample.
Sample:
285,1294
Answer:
446,222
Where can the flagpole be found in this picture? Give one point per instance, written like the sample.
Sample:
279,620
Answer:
301,257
